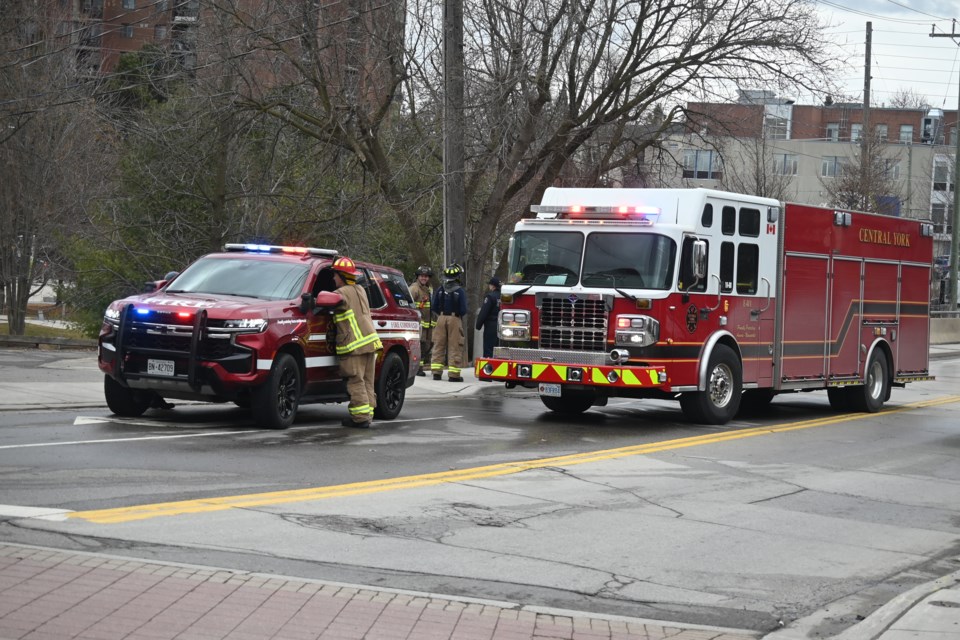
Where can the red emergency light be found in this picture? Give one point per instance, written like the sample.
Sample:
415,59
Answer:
643,214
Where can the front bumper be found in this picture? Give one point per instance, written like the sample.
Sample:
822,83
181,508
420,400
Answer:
529,373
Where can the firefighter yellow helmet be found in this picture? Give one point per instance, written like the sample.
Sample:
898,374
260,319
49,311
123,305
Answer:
453,272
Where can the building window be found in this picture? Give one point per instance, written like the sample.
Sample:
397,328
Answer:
160,32
906,133
785,164
702,165
127,30
833,132
881,132
856,131
941,222
891,169
775,128
129,4
941,175
830,167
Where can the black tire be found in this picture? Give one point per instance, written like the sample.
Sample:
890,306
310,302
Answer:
391,388
720,401
275,402
839,398
126,402
755,401
876,388
570,402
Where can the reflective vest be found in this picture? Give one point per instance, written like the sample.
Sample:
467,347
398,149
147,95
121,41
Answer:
355,332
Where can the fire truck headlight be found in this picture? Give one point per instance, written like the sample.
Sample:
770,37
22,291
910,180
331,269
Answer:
637,331
514,325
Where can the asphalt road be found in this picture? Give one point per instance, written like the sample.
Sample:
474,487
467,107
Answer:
802,513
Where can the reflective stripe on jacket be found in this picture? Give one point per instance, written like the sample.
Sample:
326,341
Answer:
355,332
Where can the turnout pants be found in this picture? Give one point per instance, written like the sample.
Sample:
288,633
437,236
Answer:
448,346
359,373
426,348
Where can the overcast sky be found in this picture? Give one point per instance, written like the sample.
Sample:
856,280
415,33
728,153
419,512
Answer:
904,54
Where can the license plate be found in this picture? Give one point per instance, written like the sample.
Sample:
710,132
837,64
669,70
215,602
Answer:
550,389
160,367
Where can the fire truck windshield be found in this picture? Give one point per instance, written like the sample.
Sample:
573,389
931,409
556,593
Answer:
620,260
266,279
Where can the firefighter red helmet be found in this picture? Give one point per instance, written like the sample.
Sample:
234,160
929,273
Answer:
345,265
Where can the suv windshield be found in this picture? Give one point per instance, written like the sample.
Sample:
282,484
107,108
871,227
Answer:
265,279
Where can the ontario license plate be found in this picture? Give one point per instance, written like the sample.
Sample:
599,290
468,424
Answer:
550,389
160,367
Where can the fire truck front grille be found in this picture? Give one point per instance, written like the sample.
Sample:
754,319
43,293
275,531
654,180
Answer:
580,325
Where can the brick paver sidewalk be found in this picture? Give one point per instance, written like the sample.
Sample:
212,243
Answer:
47,594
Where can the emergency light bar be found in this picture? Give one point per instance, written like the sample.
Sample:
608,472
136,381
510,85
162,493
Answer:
622,212
269,248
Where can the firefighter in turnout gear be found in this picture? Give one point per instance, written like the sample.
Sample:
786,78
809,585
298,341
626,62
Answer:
422,294
357,343
450,304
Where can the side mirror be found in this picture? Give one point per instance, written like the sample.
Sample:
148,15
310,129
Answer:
327,299
699,260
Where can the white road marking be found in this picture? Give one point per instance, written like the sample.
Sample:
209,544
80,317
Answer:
426,419
14,511
111,440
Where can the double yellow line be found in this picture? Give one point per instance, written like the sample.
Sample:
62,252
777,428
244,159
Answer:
205,505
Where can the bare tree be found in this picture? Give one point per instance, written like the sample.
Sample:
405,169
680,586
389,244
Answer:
51,154
754,166
555,88
908,98
866,181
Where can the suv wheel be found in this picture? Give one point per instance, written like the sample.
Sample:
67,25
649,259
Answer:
391,388
276,401
124,401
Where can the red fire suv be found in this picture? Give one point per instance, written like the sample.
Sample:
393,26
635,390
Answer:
253,325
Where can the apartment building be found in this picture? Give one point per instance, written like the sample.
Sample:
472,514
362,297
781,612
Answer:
798,149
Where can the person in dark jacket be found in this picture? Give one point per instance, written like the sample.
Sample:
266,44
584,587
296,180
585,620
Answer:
487,317
450,304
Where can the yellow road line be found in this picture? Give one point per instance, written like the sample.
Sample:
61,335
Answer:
204,505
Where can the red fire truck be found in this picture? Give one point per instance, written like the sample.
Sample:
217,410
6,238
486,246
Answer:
717,299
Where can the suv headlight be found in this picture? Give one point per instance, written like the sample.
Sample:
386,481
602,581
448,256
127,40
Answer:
112,316
514,325
637,331
245,325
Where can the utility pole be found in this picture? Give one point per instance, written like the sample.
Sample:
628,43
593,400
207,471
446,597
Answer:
454,214
955,227
865,143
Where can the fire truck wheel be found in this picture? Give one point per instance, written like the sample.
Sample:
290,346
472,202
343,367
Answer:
869,398
391,388
275,402
124,401
569,403
719,402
